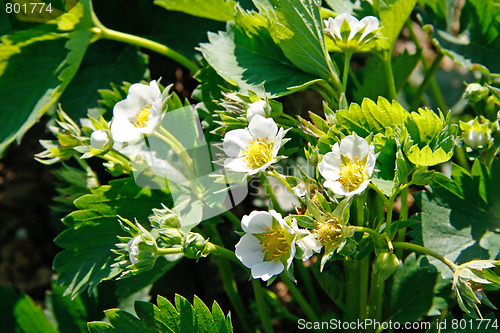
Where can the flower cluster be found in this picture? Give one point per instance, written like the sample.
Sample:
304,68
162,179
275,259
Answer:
349,34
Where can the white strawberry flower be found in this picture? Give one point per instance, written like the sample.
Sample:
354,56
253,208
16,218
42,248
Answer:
360,32
100,140
349,166
138,114
256,108
253,149
268,247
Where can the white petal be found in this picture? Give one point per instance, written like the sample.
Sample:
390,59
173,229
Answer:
370,164
249,251
277,141
267,269
277,216
329,167
293,250
237,165
128,108
257,222
354,146
263,128
124,131
256,108
371,23
144,94
235,141
336,187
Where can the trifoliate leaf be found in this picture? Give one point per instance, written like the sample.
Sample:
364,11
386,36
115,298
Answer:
87,258
245,55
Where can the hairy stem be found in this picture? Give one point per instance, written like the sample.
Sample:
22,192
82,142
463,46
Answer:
270,192
102,32
299,298
265,317
347,62
421,249
428,77
306,278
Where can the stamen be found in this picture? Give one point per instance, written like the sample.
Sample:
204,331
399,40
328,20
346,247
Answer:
352,174
329,231
142,117
258,153
275,244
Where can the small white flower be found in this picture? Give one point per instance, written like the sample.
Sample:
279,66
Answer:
368,27
309,245
300,190
348,168
268,247
256,108
100,140
133,249
138,114
254,148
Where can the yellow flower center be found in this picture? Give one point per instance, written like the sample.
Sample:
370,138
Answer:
258,153
352,174
329,231
142,117
275,243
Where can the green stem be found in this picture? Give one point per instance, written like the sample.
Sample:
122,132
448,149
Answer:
306,278
377,287
403,215
329,93
351,268
390,76
347,62
233,218
102,32
281,179
428,77
168,250
421,249
269,190
461,157
262,306
228,280
368,231
223,253
434,86
388,221
299,298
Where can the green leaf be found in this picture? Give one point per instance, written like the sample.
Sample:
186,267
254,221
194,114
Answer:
35,68
93,232
297,28
219,319
370,117
150,313
204,319
166,318
386,186
331,280
245,55
70,314
104,63
124,322
186,311
408,306
20,314
219,10
460,216
479,37
393,16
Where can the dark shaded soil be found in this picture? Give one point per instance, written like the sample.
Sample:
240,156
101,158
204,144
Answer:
26,191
